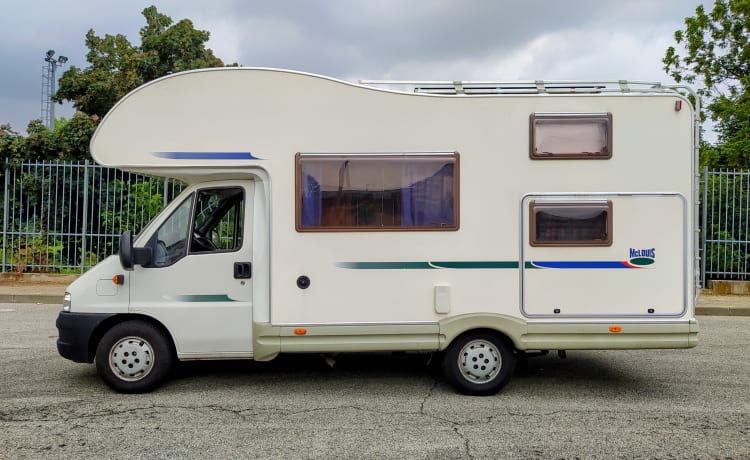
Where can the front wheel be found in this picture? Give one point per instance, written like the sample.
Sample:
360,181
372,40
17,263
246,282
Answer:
134,357
478,363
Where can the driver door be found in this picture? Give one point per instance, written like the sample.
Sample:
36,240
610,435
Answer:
199,281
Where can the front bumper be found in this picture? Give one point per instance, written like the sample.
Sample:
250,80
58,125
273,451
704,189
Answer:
75,330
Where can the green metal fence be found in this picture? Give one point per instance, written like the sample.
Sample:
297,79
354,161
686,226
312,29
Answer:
725,225
64,217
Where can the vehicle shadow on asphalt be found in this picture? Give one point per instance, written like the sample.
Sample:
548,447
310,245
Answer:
579,372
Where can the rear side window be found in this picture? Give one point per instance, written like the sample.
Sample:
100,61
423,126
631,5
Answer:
555,136
570,224
374,192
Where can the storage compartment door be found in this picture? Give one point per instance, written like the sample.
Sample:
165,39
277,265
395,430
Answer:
601,256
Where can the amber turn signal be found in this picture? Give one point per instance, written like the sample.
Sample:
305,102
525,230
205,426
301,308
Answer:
300,331
615,329
118,279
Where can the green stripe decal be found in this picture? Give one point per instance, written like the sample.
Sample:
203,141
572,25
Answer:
476,265
428,265
202,298
384,265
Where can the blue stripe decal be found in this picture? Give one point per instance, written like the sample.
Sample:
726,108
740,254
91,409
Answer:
582,264
206,155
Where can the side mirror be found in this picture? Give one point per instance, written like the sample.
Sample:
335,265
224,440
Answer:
126,250
130,256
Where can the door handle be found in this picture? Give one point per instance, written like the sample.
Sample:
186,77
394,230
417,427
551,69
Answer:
243,270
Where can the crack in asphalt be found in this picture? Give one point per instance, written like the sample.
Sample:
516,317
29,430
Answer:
467,448
246,414
428,396
64,414
83,418
454,424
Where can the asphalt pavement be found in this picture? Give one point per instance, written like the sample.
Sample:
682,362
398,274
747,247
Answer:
599,404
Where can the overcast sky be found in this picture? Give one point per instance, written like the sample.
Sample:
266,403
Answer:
360,39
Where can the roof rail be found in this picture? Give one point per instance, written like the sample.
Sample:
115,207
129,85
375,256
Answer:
458,87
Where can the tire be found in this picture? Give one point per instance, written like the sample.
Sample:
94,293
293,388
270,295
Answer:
478,363
134,357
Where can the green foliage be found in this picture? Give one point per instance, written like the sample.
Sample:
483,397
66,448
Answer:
69,142
168,48
35,253
717,57
143,201
12,144
74,136
729,254
112,73
116,66
716,45
51,207
727,223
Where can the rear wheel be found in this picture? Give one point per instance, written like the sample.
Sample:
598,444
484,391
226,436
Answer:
478,363
134,357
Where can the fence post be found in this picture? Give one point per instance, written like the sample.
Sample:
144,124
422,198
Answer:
85,214
703,227
6,216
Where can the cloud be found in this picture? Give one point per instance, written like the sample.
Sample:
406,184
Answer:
360,39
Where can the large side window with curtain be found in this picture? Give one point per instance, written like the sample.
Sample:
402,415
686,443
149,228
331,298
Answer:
368,192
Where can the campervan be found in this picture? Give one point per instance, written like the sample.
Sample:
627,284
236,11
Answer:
477,221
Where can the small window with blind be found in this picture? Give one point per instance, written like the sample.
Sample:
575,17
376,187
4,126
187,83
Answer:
570,224
561,136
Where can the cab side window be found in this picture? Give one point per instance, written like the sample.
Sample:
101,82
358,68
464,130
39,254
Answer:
217,224
169,243
207,221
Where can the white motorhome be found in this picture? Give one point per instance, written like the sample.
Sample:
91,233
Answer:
480,220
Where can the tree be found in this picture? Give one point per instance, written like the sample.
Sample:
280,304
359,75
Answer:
717,57
112,73
172,48
74,135
116,67
12,145
69,141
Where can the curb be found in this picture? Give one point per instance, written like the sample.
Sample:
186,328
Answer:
711,310
31,298
40,278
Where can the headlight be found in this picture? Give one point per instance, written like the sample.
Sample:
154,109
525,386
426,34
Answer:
66,302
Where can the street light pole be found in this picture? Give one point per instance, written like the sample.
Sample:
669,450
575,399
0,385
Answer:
49,82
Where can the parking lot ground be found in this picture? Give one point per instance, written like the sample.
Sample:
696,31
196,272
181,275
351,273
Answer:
691,403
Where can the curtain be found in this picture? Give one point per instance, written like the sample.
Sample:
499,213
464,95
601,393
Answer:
312,201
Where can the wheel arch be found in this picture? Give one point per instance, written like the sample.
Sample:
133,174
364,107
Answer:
509,329
111,322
